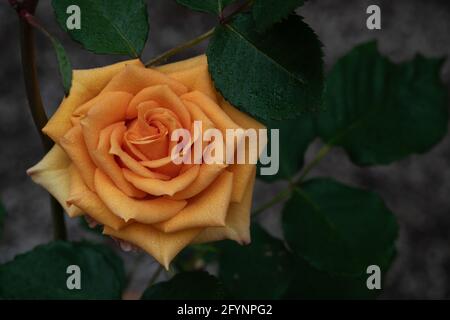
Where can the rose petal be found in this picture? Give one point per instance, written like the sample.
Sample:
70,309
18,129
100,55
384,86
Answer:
208,209
73,143
53,173
198,115
237,222
86,84
96,79
110,109
133,79
131,163
207,174
157,187
91,204
164,96
193,73
242,172
144,211
214,112
162,246
108,164
97,128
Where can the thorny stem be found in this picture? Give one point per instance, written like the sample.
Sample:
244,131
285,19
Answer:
34,97
285,193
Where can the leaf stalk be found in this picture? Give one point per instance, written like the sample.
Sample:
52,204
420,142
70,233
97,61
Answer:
285,193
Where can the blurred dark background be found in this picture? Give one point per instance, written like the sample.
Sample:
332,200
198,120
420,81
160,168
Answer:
417,189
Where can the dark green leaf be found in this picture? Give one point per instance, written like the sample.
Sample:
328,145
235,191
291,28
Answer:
41,273
268,12
65,68
339,229
311,283
196,285
278,75
261,270
295,137
209,6
111,27
381,112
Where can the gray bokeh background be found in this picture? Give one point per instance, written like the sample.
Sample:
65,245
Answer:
417,189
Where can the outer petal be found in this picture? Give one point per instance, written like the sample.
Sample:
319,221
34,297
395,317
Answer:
144,211
162,246
96,79
213,111
158,187
73,144
91,204
86,85
207,174
237,223
135,78
193,73
53,173
242,172
208,209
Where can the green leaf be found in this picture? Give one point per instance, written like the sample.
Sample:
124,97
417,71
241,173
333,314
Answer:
278,75
261,270
65,68
41,273
268,12
208,6
2,218
339,229
311,283
108,27
295,137
380,112
197,285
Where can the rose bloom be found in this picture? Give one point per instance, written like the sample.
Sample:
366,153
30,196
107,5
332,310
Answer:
112,157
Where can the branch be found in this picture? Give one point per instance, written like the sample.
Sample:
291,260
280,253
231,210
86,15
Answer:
34,97
285,193
166,55
189,44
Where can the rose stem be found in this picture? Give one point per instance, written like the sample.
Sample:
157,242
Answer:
166,55
285,193
35,101
189,44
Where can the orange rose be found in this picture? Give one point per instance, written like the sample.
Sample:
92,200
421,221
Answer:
112,158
